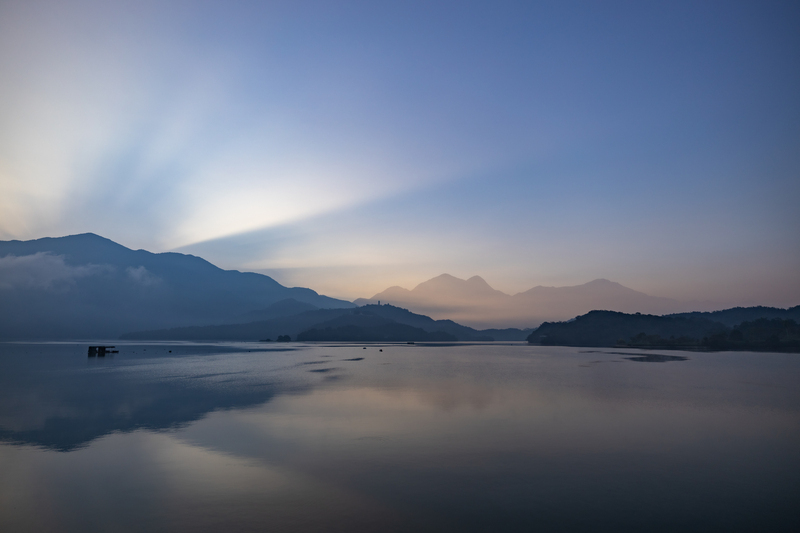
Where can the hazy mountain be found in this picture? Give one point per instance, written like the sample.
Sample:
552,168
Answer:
287,307
371,322
568,302
85,286
473,302
444,289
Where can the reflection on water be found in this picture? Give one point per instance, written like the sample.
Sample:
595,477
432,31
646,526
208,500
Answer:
53,396
343,438
650,357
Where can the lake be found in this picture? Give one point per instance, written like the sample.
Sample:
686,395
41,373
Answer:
461,437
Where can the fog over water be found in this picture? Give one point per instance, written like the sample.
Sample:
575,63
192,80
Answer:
460,437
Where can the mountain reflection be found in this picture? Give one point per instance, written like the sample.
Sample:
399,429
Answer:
395,438
52,396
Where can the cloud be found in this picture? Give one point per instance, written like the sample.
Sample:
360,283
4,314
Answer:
187,139
142,276
42,270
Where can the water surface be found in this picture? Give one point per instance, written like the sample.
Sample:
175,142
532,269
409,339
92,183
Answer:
292,437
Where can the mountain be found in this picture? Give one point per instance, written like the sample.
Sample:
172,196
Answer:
737,315
367,323
287,307
473,302
368,327
86,286
610,328
760,331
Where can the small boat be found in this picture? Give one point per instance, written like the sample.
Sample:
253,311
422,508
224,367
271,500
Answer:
101,351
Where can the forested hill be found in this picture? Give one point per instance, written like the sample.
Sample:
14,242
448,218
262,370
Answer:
609,329
737,315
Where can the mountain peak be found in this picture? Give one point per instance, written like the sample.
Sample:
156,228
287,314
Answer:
85,285
444,277
85,237
452,282
602,282
475,302
440,281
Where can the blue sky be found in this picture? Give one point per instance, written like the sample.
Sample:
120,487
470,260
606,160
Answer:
349,146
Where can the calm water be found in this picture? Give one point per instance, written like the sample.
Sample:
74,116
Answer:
295,437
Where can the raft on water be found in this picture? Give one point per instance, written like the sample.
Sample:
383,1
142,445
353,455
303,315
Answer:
101,351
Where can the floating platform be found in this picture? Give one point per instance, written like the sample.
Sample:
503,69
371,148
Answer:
101,351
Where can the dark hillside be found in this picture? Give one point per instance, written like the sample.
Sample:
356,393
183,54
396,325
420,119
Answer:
773,335
607,328
330,321
85,286
737,315
610,328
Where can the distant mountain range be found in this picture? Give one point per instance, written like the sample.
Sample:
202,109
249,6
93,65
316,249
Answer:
473,302
370,323
86,286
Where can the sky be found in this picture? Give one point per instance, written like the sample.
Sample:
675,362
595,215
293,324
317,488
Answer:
351,146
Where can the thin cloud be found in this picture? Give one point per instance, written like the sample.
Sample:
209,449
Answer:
142,276
42,270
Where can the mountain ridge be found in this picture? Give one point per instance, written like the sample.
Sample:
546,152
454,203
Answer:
475,303
85,285
741,328
334,320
